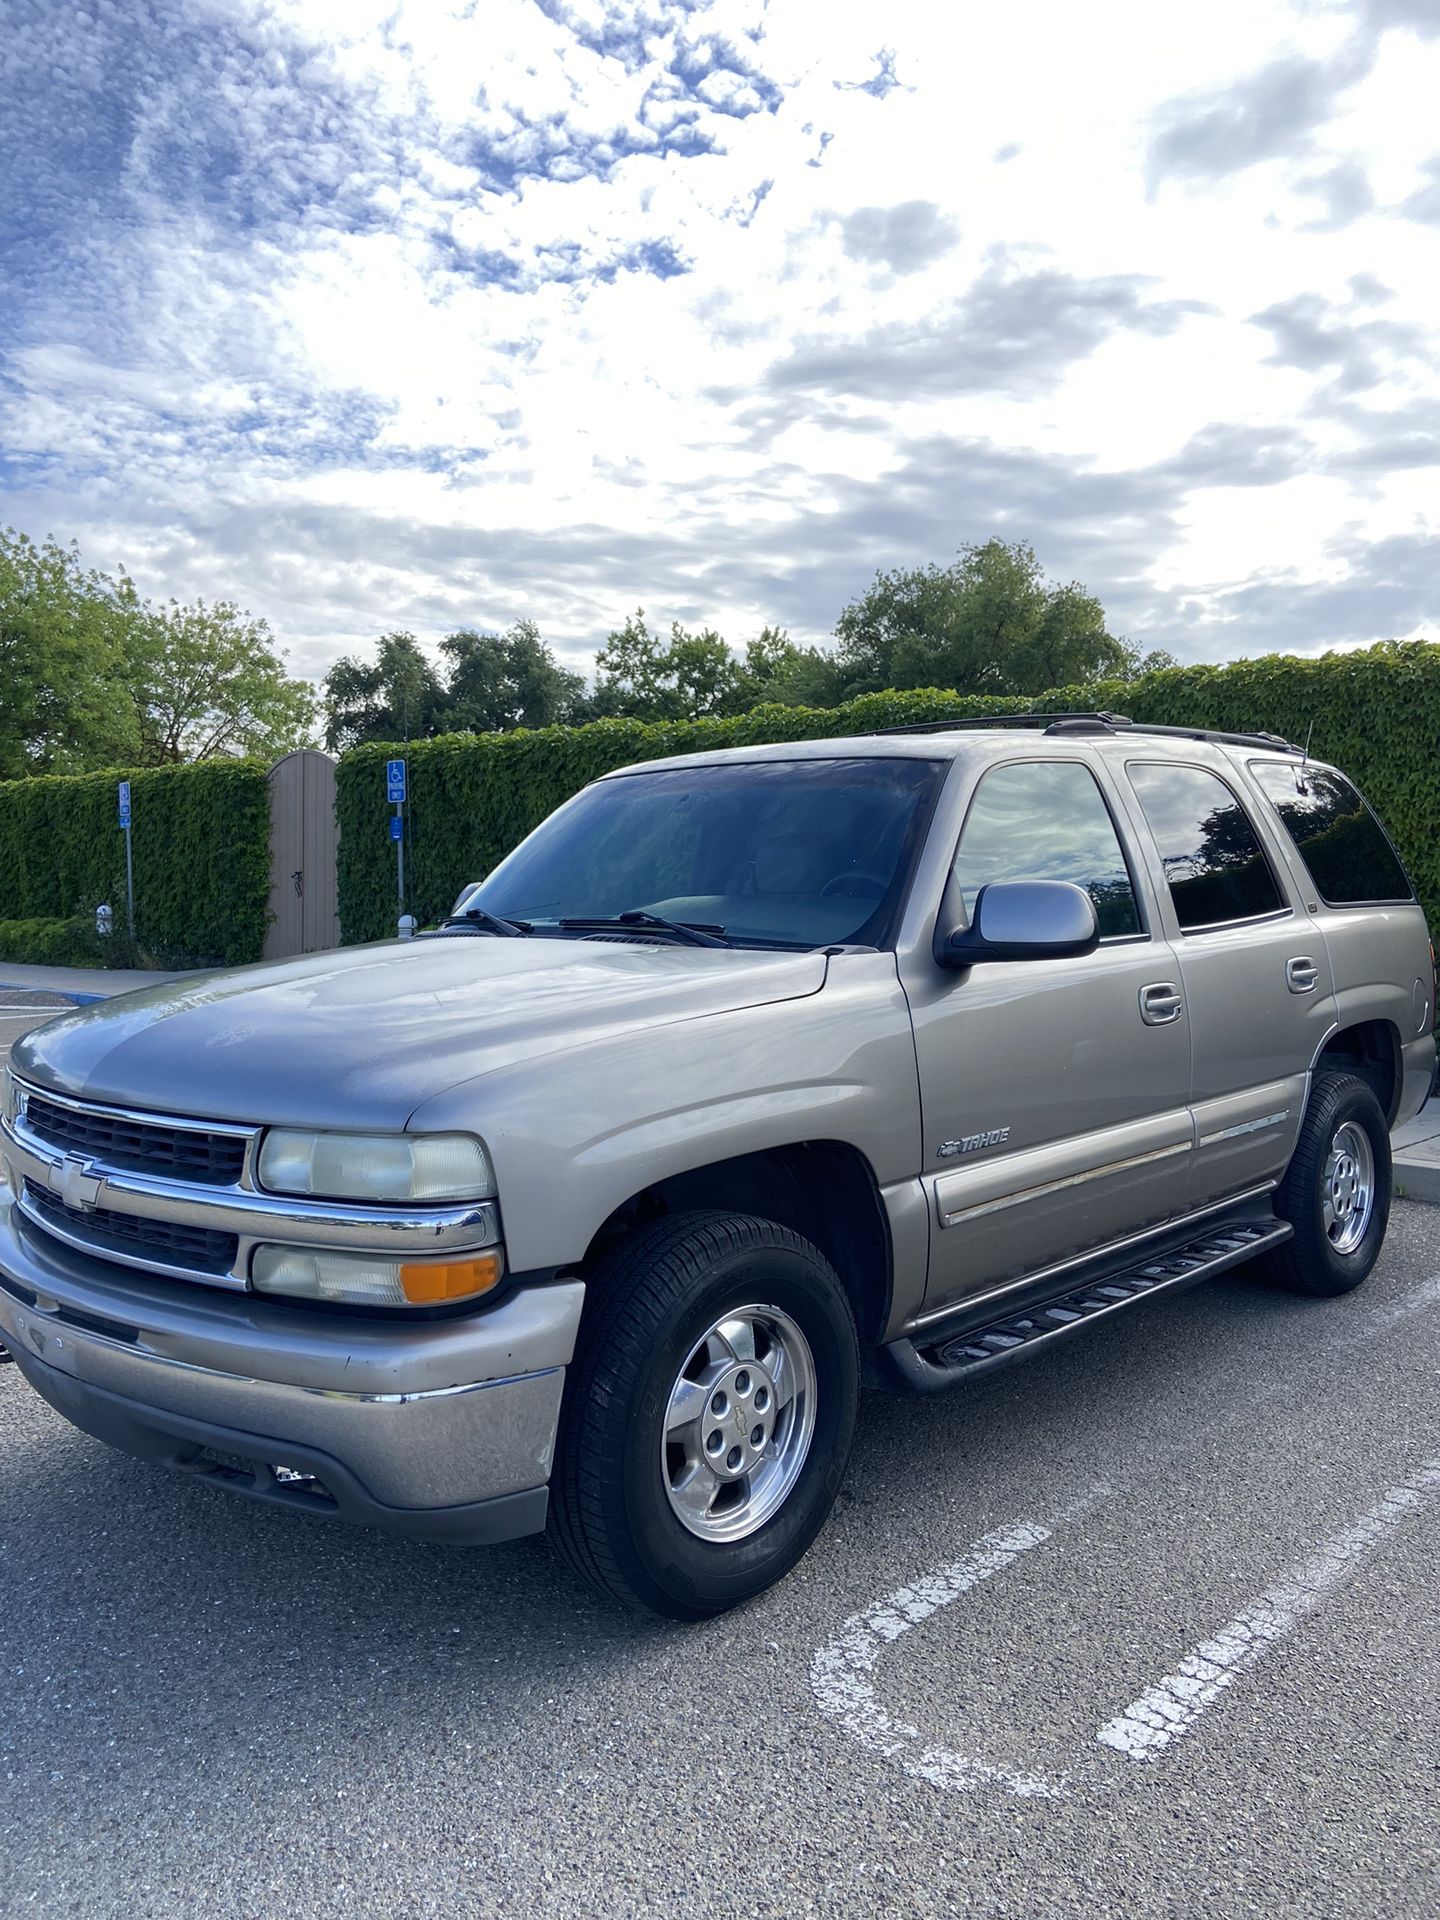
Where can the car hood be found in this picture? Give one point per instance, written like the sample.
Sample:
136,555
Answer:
364,1035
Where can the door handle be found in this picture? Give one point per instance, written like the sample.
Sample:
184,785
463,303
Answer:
1301,974
1161,1003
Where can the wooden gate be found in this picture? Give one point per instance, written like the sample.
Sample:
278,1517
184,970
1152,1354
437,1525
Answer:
304,908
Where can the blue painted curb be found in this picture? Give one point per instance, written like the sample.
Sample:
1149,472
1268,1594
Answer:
75,999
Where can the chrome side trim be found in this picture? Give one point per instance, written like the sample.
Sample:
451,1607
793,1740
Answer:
1024,1194
1245,919
966,1303
1245,1126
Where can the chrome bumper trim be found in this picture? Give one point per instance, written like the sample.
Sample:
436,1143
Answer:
425,1416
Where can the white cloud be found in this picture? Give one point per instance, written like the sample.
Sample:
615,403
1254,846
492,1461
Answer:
372,315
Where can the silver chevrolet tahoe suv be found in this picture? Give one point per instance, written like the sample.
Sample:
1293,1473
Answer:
747,1077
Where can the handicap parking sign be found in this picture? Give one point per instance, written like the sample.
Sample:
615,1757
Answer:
394,779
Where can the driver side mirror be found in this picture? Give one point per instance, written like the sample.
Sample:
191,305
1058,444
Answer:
1021,920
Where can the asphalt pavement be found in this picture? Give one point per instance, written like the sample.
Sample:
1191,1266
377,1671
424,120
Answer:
24,1007
1210,1524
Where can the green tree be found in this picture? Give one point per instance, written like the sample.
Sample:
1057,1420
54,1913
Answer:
206,681
630,674
63,635
778,671
1137,663
500,681
990,623
704,674
685,678
397,696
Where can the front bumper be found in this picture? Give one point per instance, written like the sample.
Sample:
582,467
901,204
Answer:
443,1429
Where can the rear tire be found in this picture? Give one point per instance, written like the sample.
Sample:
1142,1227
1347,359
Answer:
709,1414
1336,1192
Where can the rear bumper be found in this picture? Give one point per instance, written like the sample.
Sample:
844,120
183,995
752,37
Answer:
444,1429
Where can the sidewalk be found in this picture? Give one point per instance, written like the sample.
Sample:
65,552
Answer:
1416,1147
76,984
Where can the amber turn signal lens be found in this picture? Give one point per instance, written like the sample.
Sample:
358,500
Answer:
427,1281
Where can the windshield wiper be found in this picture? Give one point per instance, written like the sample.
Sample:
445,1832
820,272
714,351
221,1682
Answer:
482,917
693,935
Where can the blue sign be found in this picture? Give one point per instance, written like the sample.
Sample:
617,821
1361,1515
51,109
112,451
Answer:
124,803
394,779
397,827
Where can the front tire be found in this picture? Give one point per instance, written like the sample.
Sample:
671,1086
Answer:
1336,1192
709,1414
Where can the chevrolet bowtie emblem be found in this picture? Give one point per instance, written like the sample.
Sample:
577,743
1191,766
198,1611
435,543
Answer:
75,1182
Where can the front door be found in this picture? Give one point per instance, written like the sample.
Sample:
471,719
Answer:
1054,1093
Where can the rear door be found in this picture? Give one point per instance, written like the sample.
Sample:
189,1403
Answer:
1254,969
1055,1106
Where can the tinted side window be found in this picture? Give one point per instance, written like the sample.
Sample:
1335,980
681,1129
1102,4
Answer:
1046,820
1213,860
1335,833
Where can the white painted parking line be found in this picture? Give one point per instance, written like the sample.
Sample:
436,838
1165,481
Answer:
1382,1319
1172,1706
840,1672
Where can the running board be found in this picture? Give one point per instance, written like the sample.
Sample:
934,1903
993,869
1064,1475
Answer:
982,1349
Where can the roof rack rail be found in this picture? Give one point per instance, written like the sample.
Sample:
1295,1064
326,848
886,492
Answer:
1097,722
1106,722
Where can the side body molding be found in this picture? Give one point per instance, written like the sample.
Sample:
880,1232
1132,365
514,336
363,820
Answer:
1104,1157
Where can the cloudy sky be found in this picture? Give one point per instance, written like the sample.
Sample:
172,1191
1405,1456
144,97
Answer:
427,313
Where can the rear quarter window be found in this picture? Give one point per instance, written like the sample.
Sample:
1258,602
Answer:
1345,849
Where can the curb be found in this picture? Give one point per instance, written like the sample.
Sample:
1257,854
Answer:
1417,1180
59,993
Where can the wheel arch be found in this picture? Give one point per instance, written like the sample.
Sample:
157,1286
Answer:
824,1190
1370,1049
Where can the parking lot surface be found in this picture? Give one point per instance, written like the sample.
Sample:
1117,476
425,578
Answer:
1146,1626
24,1007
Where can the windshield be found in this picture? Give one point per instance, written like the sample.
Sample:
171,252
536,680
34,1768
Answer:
791,853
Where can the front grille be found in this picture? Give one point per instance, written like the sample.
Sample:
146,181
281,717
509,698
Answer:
137,1146
100,1227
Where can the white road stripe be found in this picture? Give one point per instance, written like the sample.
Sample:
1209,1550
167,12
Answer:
1172,1706
1382,1319
840,1672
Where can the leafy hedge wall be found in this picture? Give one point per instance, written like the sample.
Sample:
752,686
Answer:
202,858
1375,713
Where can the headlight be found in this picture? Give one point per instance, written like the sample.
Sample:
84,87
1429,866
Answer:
366,1280
374,1166
8,1099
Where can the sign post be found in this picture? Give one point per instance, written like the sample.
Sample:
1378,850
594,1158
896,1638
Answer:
395,785
129,860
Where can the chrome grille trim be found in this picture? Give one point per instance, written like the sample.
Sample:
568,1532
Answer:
393,1232
136,1116
213,1156
170,1242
